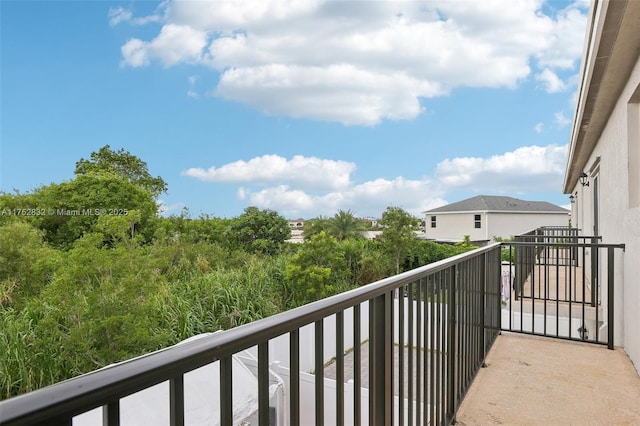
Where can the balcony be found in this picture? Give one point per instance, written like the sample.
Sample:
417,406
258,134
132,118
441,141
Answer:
403,350
541,381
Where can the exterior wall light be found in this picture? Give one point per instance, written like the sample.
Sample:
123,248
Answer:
584,179
572,198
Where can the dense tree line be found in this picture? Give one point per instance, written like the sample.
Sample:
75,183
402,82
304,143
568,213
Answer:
91,274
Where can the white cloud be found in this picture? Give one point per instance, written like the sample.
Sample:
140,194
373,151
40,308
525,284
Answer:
304,172
309,186
526,169
367,199
550,81
191,92
561,120
361,62
174,44
336,93
165,209
119,14
539,127
135,53
566,38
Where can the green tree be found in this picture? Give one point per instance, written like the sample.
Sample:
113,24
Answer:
345,225
365,260
260,231
317,270
315,226
398,233
124,165
74,206
102,307
27,264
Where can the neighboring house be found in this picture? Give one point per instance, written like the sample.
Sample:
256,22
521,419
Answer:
296,223
486,217
603,170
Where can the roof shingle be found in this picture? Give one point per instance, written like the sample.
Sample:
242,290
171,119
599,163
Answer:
498,204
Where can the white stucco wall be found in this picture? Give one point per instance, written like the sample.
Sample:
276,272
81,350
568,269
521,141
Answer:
619,213
507,225
454,226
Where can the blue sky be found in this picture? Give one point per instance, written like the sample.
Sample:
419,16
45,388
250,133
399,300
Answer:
305,107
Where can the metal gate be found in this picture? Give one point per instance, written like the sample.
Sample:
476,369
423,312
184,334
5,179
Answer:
556,283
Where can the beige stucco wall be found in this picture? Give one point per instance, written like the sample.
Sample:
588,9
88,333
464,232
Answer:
507,225
454,226
619,214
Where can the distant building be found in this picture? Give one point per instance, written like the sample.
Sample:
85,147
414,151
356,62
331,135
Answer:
296,223
486,217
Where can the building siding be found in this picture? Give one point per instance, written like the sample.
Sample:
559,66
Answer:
619,214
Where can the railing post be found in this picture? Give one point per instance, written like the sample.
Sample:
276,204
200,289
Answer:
176,401
319,372
610,296
595,282
226,390
111,414
451,344
263,383
380,357
294,397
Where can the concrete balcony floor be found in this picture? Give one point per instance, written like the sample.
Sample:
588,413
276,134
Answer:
533,380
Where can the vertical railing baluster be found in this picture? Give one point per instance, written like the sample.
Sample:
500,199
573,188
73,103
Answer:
452,349
558,292
389,350
595,281
111,414
610,296
533,285
584,297
597,305
482,279
433,390
226,391
319,372
380,353
263,383
294,380
428,349
545,276
521,271
419,305
340,368
410,378
401,366
511,289
357,377
176,401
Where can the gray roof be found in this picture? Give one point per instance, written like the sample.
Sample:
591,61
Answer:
499,204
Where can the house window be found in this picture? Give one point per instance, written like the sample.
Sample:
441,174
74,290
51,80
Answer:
477,222
433,221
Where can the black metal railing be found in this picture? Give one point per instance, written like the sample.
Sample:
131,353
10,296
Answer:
560,284
427,333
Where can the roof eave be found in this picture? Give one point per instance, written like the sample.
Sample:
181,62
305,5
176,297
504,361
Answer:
611,50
